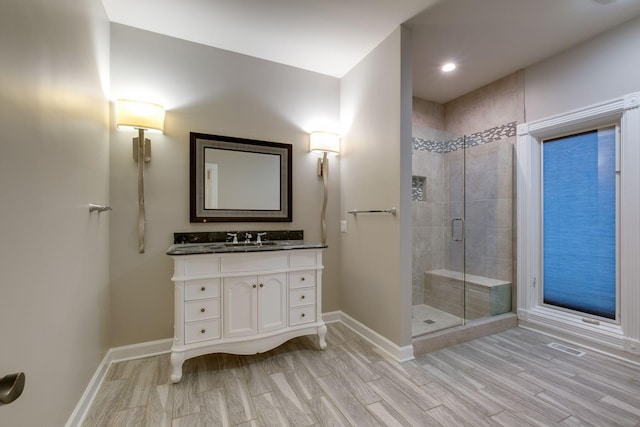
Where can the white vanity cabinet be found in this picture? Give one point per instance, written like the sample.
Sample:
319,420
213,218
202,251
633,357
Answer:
244,303
254,304
201,310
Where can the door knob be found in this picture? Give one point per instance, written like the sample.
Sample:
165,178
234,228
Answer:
11,387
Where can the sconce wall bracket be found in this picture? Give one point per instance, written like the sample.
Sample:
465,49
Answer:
147,149
323,165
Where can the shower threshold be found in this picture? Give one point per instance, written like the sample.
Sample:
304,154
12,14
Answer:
477,328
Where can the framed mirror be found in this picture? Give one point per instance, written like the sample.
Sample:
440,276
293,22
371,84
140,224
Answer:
236,179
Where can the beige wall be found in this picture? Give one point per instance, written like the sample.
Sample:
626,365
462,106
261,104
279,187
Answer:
376,250
602,68
212,91
54,297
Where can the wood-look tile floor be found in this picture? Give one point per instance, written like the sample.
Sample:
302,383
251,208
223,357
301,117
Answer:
509,379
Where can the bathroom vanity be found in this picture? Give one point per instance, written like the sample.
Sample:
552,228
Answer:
244,298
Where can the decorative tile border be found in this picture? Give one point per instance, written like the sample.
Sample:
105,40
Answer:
490,135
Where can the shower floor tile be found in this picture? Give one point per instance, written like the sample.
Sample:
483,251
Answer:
427,319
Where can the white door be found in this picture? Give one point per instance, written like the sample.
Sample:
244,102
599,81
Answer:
211,186
240,306
272,302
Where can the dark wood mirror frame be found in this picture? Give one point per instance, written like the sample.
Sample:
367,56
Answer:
199,142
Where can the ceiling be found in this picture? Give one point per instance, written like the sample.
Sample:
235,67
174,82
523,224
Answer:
489,39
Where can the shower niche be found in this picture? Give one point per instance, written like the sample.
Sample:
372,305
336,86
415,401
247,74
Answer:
417,188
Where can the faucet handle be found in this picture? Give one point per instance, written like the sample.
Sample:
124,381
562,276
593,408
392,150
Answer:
259,239
235,237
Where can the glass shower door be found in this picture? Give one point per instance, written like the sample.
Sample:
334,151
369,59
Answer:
488,228
455,172
463,228
438,228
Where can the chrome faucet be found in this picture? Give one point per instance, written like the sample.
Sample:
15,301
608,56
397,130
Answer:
235,237
259,239
247,237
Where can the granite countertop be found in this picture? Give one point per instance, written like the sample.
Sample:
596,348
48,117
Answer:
225,247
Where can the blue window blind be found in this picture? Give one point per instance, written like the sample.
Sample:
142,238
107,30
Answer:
579,222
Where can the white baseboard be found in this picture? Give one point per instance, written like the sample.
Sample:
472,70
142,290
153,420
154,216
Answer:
332,317
153,348
138,351
116,354
382,344
80,412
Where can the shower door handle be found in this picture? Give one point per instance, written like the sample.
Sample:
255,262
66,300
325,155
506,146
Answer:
453,228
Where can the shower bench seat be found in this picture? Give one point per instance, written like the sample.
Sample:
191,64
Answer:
483,296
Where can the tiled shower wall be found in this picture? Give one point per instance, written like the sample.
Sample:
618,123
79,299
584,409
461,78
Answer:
484,199
429,224
428,213
490,184
488,209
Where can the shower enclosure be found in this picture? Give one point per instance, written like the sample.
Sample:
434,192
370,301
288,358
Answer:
463,227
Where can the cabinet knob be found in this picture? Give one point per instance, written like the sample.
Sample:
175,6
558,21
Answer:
302,297
203,331
302,315
254,286
261,285
203,289
302,279
202,310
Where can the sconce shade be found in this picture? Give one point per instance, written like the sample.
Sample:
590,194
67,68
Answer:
324,141
139,115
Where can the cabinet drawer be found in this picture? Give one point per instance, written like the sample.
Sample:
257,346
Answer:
201,309
299,315
303,296
202,264
200,289
201,331
304,258
299,279
251,262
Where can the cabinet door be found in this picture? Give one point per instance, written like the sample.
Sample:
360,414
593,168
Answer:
240,306
272,302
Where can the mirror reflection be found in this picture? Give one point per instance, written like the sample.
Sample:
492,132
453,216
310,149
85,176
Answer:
251,180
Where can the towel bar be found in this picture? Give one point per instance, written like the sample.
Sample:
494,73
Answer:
391,211
99,208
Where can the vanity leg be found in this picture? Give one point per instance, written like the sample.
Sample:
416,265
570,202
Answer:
177,359
322,332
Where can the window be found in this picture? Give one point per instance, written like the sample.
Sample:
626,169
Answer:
579,225
579,222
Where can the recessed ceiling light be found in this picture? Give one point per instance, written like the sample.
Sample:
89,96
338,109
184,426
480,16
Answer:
450,66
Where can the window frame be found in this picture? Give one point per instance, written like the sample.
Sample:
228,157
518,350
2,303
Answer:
622,338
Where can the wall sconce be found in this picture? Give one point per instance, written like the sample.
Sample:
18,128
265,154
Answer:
324,142
141,116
